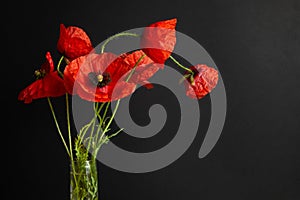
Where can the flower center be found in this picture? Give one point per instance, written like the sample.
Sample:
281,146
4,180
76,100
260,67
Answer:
39,73
100,80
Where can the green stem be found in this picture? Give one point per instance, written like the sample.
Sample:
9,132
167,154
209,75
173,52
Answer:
57,126
104,114
92,132
132,71
108,124
180,65
98,110
102,121
70,138
83,131
113,115
69,125
58,66
116,133
116,36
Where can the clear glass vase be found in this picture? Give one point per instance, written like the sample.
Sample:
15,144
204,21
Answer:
84,180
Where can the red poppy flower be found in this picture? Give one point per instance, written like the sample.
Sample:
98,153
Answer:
158,40
73,42
144,70
98,77
48,83
204,80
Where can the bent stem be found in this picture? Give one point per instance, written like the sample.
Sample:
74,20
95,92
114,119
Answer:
180,65
116,36
58,66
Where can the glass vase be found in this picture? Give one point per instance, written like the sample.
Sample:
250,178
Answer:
84,180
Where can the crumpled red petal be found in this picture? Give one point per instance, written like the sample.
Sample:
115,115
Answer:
48,65
144,70
70,73
158,40
73,42
205,80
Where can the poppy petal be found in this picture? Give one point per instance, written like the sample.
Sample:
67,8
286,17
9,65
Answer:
158,40
50,86
145,69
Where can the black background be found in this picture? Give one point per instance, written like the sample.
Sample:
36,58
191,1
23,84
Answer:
256,46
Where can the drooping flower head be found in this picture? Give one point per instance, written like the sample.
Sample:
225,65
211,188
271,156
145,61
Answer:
47,84
202,82
158,40
98,77
73,42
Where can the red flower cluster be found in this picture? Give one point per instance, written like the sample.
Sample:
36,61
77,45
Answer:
104,77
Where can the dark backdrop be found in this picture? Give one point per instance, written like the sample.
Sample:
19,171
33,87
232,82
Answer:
256,46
